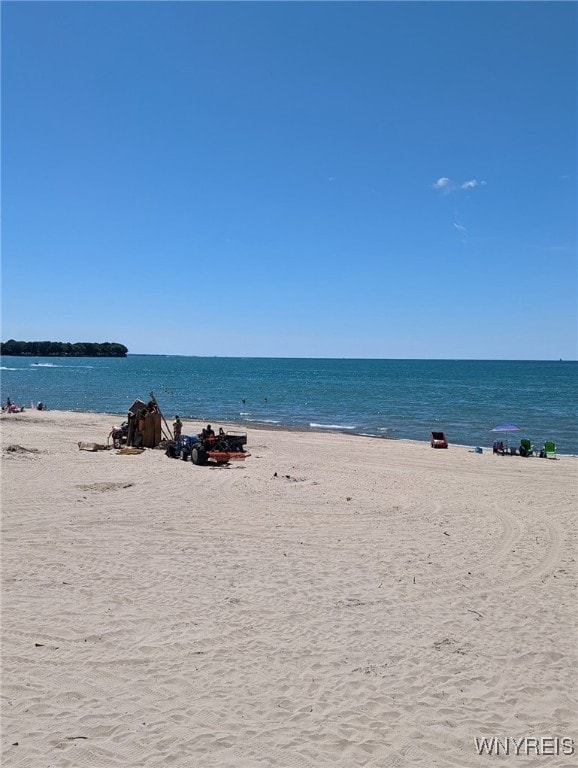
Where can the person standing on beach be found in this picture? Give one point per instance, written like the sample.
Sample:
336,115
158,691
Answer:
177,427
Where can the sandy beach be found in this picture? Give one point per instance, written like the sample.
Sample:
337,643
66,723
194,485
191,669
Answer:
333,600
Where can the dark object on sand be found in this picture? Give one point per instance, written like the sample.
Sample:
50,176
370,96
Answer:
119,435
144,425
438,440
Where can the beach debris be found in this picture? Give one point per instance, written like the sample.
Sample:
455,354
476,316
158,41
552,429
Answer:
143,427
167,435
476,612
103,486
349,602
292,478
372,669
82,446
130,451
451,645
20,449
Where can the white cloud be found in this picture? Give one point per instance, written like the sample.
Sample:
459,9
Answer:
471,183
446,185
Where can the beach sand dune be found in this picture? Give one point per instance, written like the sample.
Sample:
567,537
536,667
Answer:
331,601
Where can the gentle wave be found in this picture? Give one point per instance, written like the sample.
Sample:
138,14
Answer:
329,426
53,365
5,368
263,421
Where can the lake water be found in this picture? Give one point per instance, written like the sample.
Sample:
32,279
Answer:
384,398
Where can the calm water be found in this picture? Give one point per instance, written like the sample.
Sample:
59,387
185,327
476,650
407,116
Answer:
385,398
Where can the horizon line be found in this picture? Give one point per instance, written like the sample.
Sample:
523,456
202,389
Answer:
312,357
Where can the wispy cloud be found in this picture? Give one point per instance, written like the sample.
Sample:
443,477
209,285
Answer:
441,183
461,229
445,185
471,183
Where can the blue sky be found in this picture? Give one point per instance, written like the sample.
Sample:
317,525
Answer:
292,179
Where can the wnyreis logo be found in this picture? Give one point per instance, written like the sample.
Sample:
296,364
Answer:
525,745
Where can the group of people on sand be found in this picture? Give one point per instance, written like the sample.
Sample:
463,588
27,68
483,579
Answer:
10,407
208,433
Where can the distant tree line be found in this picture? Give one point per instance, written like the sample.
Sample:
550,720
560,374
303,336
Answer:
62,349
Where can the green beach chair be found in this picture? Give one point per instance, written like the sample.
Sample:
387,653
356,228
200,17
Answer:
526,447
550,449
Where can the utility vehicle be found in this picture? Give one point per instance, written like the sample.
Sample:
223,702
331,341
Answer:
221,449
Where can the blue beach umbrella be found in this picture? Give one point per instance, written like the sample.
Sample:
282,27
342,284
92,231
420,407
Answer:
507,428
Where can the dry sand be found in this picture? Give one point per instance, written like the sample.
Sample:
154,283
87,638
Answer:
332,601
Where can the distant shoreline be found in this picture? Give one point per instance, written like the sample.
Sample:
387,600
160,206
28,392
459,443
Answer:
13,348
